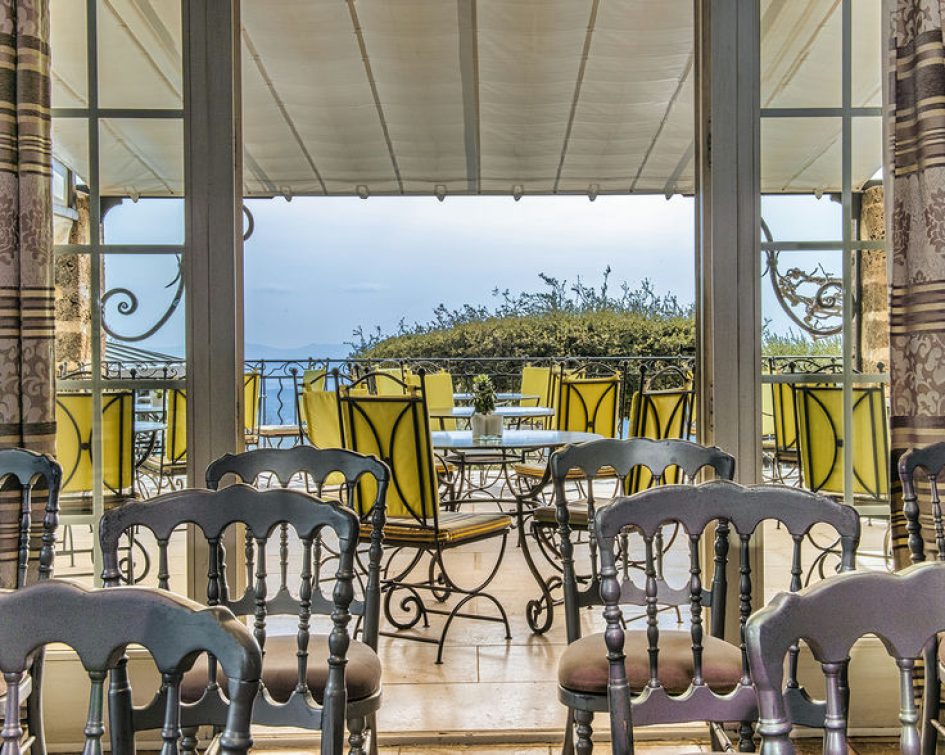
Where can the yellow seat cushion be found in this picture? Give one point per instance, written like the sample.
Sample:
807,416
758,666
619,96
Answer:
577,513
455,527
538,470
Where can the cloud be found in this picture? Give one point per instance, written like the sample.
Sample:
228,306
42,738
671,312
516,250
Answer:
364,287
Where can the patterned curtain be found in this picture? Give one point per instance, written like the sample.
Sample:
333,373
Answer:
916,226
26,262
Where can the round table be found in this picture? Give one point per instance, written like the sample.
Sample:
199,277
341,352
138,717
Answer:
511,440
502,397
507,412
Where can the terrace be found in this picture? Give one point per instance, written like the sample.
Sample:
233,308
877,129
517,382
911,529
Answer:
748,108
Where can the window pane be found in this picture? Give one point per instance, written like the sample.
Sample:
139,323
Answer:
141,157
867,52
143,303
800,53
70,47
801,302
802,217
147,221
140,63
867,150
801,155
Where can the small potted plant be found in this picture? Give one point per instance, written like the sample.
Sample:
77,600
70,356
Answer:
484,422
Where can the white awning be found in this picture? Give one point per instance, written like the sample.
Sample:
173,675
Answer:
462,96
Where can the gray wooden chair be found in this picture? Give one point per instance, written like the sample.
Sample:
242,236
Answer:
307,678
337,471
633,465
639,463
830,616
35,480
675,676
98,625
926,462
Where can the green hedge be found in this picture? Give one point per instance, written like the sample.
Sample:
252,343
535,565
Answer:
553,334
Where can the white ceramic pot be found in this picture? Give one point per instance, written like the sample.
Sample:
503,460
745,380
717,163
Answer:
486,426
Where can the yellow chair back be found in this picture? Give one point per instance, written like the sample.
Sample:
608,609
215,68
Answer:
590,405
767,410
175,431
439,395
251,384
536,381
315,379
821,439
322,422
388,381
658,415
74,439
784,416
395,429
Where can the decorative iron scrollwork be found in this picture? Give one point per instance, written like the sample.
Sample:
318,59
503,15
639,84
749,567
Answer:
813,299
126,304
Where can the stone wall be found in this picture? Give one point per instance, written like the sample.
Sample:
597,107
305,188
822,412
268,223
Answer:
73,289
874,292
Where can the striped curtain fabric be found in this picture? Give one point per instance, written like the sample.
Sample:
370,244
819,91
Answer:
26,262
916,225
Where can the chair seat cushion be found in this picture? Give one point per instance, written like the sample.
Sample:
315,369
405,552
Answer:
455,527
278,431
538,470
81,503
577,513
153,464
583,666
281,670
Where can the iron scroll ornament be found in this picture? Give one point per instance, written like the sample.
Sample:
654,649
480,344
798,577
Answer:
820,309
127,302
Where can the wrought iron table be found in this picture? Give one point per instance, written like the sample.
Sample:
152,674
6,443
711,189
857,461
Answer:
508,449
516,441
502,398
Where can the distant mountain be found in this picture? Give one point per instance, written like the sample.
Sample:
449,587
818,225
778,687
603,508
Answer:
313,350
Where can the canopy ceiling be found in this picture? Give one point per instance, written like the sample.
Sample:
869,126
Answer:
342,97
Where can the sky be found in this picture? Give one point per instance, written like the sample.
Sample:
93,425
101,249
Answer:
317,268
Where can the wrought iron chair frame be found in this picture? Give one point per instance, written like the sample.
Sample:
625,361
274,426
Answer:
211,513
173,629
727,506
830,617
317,465
425,513
27,468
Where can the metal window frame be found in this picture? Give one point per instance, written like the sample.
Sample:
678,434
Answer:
96,249
847,245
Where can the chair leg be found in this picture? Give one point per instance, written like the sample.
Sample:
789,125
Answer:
356,735
372,733
189,741
585,732
568,747
746,732
930,700
34,710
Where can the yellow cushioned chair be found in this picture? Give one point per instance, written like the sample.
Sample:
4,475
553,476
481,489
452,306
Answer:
74,449
396,429
584,405
821,439
438,388
659,415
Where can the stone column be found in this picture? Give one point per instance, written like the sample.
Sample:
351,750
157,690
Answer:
874,286
73,290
